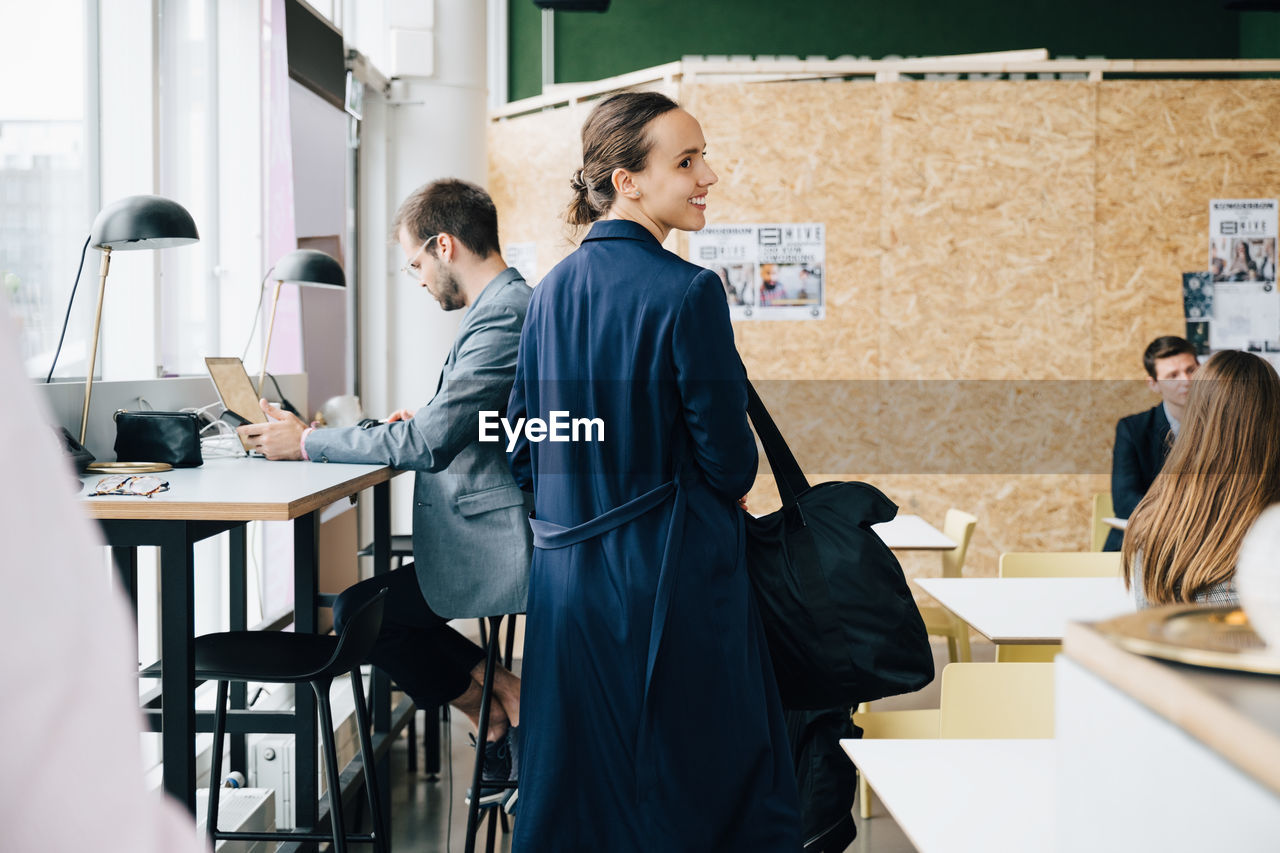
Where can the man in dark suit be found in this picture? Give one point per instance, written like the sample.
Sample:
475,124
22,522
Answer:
1143,440
471,538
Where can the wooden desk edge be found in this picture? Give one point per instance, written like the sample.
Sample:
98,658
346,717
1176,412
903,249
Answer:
195,511
1202,715
351,487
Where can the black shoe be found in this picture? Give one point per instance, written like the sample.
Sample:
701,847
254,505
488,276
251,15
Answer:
496,768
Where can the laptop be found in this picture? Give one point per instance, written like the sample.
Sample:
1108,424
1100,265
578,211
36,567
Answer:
236,391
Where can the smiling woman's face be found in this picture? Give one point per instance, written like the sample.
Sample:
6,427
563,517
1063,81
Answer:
673,185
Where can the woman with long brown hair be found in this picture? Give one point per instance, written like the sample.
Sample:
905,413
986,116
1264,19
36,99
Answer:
1184,537
650,720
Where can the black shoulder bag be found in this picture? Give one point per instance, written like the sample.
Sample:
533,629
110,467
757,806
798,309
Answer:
839,617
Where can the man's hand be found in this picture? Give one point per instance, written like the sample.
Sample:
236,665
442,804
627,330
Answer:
400,415
279,438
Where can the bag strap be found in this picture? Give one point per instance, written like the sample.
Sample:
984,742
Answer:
786,470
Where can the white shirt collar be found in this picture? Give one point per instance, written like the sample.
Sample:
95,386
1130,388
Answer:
1174,423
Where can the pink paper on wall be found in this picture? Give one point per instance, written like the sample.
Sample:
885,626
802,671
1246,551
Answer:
282,236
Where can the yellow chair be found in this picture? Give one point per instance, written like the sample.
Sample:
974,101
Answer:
1060,564
958,526
979,700
1022,653
1052,564
1098,530
902,725
989,700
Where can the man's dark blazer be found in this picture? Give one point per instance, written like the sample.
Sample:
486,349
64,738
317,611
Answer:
1142,442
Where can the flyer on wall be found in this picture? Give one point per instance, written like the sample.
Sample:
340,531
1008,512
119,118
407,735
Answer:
1242,265
772,271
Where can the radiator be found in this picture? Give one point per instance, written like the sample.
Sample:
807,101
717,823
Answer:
240,810
271,757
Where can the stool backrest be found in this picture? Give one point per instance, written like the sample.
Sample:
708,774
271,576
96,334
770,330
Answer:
358,635
1060,564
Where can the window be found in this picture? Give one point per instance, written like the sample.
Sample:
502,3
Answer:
46,176
156,96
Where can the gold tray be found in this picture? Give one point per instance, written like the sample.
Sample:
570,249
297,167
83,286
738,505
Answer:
127,467
1219,637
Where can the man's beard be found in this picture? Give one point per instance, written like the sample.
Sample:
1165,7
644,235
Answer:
448,289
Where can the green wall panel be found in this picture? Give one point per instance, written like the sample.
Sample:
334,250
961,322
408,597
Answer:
1259,35
637,34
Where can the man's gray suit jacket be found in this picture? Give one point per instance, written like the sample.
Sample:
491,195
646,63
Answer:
471,536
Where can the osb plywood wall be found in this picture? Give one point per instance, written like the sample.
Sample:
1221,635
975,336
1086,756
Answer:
999,231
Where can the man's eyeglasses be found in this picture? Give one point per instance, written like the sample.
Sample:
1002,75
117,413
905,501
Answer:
409,269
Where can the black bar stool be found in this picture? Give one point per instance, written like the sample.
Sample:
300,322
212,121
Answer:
292,658
492,641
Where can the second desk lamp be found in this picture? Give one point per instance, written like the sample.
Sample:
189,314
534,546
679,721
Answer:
306,267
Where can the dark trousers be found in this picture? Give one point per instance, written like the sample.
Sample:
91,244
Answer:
428,660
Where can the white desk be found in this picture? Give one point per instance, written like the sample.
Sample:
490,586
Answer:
954,796
1028,611
1160,756
220,497
912,533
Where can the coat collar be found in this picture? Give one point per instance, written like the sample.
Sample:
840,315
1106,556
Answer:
619,229
495,284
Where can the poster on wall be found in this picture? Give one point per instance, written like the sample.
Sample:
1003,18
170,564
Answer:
1242,267
772,271
1242,239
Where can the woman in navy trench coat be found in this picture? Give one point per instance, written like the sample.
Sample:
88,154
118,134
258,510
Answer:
650,718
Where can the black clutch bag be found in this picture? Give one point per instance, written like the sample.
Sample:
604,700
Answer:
172,437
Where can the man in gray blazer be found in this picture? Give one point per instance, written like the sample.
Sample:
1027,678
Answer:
471,537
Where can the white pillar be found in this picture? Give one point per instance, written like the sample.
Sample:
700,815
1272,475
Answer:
436,127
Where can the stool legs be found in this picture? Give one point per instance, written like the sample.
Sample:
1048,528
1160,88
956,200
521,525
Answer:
482,730
332,774
381,843
215,769
332,777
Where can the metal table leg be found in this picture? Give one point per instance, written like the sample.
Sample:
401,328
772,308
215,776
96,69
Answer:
380,695
305,583
177,661
238,607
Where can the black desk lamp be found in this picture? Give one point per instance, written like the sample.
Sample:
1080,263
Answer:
136,222
306,267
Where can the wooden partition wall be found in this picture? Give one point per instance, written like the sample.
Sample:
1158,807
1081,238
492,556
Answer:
1001,231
